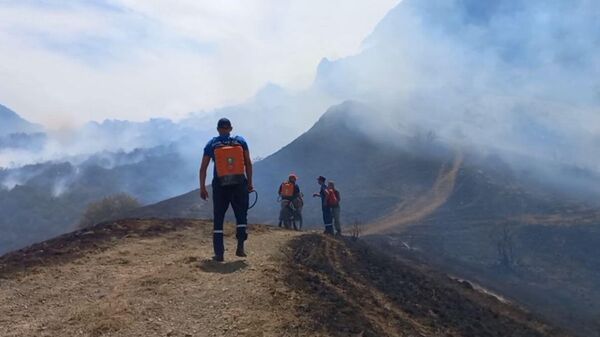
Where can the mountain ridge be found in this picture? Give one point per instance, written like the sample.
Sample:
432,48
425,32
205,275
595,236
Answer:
12,123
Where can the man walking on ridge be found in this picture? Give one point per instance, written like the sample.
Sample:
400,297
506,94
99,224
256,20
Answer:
327,218
231,184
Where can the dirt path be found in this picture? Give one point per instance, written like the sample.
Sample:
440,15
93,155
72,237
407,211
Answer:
412,211
152,286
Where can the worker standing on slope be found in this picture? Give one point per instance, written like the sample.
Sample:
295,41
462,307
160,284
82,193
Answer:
232,182
289,192
333,202
327,219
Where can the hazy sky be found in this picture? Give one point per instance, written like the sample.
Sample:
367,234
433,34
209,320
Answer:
64,62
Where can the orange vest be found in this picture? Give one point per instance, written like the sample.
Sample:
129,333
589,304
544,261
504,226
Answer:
287,189
230,163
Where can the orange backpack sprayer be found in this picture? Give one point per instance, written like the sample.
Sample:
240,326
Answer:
229,161
331,198
231,167
287,189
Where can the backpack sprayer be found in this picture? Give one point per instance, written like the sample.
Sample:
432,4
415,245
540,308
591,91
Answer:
229,166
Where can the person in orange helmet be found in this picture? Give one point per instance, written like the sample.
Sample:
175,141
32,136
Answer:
291,201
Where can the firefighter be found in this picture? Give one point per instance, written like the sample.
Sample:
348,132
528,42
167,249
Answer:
289,192
231,184
327,216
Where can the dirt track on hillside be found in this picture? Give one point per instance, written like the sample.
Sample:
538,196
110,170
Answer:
411,211
159,285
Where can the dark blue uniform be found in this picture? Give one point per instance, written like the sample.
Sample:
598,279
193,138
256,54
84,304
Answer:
236,195
327,216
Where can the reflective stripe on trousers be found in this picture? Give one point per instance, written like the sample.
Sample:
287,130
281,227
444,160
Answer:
223,196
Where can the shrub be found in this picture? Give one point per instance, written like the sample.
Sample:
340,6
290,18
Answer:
109,208
356,230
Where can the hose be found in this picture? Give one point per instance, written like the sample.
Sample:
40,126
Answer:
255,199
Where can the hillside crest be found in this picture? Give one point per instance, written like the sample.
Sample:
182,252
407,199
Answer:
152,277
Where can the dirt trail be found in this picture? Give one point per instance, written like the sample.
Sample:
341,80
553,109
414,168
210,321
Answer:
151,286
412,211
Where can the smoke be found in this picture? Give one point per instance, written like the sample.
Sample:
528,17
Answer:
60,187
514,77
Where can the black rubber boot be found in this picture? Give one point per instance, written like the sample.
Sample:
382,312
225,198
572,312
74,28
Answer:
218,258
240,250
328,230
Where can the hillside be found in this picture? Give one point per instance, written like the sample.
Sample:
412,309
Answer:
47,199
329,148
379,168
11,122
152,278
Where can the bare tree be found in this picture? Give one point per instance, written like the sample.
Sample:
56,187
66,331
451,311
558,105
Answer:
356,230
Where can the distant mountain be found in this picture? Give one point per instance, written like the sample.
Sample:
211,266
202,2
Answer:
513,75
269,120
11,123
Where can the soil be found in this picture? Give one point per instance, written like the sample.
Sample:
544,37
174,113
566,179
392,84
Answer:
143,278
351,289
154,278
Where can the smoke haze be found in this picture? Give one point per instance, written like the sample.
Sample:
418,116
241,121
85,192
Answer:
514,77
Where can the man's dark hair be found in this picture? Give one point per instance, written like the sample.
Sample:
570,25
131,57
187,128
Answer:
224,123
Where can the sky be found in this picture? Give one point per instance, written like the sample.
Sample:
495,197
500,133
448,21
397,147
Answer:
63,63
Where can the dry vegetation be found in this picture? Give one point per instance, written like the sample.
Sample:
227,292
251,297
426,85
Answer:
141,278
108,208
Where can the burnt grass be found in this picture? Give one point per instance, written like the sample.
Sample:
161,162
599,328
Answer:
348,288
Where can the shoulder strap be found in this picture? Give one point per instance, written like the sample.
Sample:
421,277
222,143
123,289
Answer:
235,139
